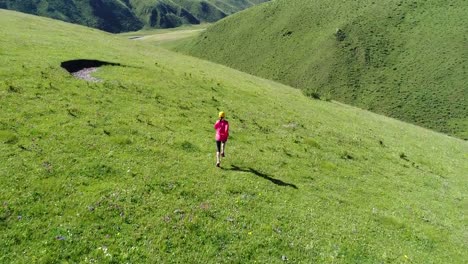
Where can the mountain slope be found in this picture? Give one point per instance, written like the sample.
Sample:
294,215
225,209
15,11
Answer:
404,59
123,170
130,15
108,15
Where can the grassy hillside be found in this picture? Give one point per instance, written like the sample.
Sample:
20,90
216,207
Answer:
131,15
405,59
122,171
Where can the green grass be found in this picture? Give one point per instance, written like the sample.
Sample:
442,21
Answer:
122,171
405,59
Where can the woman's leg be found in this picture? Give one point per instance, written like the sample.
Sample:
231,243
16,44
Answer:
223,146
218,147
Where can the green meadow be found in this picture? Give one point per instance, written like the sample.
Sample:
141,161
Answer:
123,170
400,58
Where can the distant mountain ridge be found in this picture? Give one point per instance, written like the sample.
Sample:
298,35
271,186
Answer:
131,15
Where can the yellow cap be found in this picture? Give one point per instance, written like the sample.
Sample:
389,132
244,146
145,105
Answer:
222,114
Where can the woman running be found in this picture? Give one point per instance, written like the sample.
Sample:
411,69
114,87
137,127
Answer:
222,133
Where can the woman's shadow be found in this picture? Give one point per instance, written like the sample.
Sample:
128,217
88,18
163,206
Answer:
262,175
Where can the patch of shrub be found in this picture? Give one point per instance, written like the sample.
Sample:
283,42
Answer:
340,34
315,95
188,146
122,140
347,156
73,111
311,142
14,89
8,137
403,156
98,171
328,165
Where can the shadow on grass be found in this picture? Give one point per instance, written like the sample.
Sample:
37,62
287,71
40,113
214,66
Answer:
262,175
77,65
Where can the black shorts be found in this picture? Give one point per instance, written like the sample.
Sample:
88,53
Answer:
218,145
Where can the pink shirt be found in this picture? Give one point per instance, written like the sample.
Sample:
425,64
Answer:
222,130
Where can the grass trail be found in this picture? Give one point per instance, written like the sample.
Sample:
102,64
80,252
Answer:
166,37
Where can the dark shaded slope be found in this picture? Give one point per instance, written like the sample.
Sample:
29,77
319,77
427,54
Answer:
114,17
108,15
203,10
130,15
165,15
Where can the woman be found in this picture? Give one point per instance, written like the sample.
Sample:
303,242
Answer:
222,133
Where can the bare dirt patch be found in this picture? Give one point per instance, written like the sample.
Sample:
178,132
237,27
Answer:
83,68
